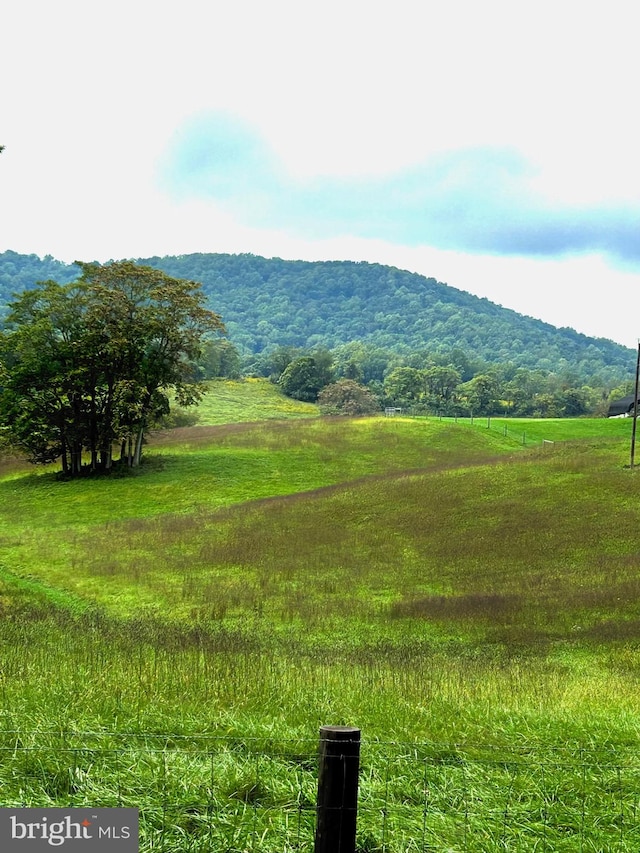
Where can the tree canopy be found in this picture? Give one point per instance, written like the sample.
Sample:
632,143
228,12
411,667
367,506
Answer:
89,364
270,303
304,377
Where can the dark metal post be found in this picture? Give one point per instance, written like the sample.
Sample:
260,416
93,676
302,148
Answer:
635,410
337,789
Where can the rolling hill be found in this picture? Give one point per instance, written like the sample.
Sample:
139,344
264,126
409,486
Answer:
266,303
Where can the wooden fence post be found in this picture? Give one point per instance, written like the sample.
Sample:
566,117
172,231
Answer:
337,808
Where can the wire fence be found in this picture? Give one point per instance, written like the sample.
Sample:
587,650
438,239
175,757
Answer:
237,795
501,426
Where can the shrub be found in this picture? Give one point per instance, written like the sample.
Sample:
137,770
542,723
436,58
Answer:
347,397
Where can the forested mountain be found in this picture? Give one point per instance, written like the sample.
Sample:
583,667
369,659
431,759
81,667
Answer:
269,303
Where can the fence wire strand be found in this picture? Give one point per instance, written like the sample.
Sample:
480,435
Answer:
233,795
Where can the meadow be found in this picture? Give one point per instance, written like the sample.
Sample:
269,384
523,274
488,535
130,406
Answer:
174,639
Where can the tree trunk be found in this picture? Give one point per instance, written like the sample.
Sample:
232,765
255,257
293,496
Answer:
65,461
106,458
76,459
138,450
93,432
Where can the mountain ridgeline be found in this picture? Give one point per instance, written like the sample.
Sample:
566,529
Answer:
270,303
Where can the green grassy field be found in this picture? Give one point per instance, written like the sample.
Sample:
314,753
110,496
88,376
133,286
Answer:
174,639
229,402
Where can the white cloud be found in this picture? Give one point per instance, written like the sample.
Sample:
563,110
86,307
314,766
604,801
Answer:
93,96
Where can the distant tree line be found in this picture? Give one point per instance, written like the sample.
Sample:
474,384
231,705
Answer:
432,383
448,383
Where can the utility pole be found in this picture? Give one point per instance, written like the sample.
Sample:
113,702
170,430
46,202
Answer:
635,409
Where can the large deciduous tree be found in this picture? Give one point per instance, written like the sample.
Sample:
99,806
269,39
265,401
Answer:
304,377
441,383
404,385
89,365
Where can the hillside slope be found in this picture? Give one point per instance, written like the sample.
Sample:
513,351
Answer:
267,303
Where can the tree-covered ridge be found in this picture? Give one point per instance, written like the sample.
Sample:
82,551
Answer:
21,272
269,303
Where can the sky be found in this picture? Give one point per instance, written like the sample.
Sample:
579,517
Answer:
493,146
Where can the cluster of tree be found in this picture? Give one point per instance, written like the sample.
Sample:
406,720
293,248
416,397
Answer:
271,303
498,390
219,359
434,383
87,366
